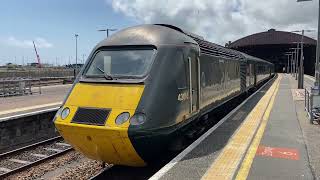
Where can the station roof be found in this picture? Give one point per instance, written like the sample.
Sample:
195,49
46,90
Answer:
271,37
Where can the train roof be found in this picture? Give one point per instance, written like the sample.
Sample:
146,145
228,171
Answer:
147,34
165,34
252,58
207,47
215,49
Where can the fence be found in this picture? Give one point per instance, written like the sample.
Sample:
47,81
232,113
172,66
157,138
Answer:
19,86
22,81
312,104
36,73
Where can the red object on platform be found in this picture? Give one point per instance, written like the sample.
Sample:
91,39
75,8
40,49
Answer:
284,153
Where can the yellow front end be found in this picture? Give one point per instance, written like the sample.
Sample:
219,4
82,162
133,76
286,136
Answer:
109,143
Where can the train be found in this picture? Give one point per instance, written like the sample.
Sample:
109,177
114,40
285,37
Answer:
143,86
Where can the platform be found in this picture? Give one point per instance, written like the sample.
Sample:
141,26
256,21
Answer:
266,137
51,97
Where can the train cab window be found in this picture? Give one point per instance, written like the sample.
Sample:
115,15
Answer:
121,63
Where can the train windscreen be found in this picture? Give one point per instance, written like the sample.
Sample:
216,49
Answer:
121,63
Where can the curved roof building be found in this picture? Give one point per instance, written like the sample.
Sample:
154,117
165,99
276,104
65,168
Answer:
272,46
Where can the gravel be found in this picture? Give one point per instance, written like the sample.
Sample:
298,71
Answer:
2,172
85,170
71,165
27,157
10,165
55,146
41,150
47,166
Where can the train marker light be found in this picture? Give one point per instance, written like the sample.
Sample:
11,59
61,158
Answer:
138,119
122,118
65,112
57,114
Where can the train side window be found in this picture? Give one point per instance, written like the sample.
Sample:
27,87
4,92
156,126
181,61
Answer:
181,65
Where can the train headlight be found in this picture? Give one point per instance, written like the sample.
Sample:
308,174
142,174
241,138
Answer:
57,114
122,118
65,112
138,119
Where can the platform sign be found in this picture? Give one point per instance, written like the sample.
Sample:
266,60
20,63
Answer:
283,153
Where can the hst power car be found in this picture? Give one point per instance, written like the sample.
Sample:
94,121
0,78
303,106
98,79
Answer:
141,88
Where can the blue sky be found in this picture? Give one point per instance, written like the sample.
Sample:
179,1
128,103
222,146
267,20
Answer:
52,24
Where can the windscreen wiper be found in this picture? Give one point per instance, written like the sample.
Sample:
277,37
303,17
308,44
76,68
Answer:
108,77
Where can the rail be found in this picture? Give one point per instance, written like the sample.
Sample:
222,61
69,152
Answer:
20,159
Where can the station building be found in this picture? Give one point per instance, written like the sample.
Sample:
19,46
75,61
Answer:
272,46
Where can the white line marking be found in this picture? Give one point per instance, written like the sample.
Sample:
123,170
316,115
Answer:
174,161
5,169
54,86
63,144
28,114
53,149
19,161
39,155
30,108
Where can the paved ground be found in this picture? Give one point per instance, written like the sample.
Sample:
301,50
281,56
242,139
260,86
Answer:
51,96
311,133
282,151
269,137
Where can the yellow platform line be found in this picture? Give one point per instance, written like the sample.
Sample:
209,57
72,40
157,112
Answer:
228,161
247,162
30,108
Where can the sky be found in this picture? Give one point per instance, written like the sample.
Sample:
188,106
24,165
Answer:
53,24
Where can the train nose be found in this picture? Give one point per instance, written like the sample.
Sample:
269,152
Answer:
90,122
106,144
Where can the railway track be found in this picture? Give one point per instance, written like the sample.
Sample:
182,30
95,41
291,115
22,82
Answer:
17,160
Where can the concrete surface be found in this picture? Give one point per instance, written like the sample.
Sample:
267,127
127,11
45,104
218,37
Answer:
283,131
51,96
310,132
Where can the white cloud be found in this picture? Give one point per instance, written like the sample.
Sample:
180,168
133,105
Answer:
40,43
223,20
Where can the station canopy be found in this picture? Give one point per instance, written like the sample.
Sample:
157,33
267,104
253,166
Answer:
271,37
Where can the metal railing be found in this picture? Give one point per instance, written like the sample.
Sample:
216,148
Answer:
35,73
312,104
19,86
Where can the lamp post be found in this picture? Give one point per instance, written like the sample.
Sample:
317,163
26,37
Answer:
301,72
289,64
76,36
295,62
317,70
107,30
301,67
291,59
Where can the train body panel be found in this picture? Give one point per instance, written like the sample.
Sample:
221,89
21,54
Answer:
143,86
220,78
